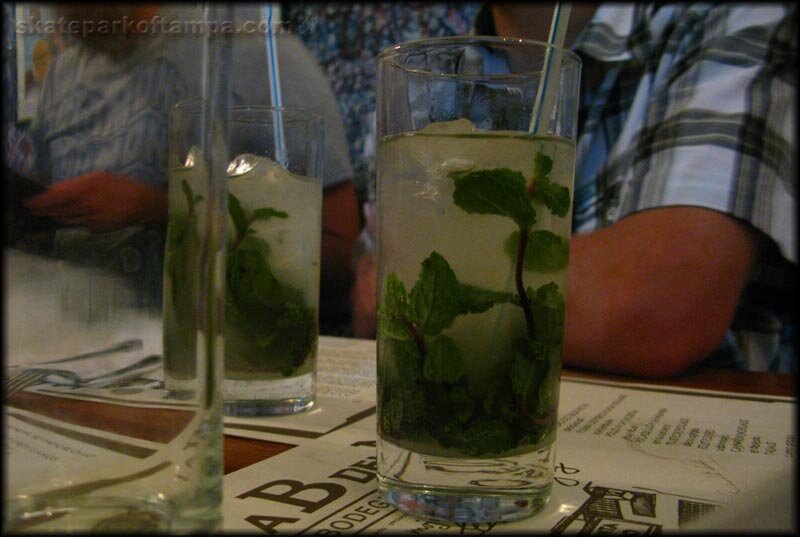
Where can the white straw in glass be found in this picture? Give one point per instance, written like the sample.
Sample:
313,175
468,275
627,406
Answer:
543,107
275,90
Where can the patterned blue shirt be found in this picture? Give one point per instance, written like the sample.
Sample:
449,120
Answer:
346,38
697,106
101,114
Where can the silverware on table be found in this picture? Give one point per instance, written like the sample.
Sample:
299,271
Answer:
32,375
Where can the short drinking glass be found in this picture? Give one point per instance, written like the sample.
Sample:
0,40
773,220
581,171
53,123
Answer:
273,257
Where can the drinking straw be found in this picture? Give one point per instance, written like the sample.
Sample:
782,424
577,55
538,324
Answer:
543,107
275,90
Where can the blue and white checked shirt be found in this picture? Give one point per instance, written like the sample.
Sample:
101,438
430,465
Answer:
697,106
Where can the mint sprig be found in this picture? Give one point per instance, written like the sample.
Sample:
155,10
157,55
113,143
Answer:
265,318
423,387
500,191
556,197
433,301
545,251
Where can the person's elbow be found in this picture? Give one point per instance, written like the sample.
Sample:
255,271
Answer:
656,293
663,350
661,340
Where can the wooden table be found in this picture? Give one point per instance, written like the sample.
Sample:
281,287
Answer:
242,452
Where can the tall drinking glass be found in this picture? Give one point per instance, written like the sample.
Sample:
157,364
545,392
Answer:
474,220
92,441
272,260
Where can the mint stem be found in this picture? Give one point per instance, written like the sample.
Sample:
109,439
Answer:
524,301
418,339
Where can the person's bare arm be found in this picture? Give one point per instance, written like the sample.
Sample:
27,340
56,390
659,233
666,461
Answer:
532,20
340,226
101,201
654,293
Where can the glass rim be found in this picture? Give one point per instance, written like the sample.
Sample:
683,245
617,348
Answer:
463,40
195,105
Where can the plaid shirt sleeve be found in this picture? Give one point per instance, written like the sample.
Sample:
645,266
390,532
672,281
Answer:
697,106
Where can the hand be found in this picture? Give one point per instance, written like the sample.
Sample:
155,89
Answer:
100,201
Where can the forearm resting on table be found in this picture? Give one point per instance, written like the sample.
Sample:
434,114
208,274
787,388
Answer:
656,292
101,201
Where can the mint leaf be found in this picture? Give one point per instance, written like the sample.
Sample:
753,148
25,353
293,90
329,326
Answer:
545,251
554,196
444,362
542,166
528,370
296,326
408,362
422,390
461,404
472,299
282,329
499,400
498,191
392,313
402,407
240,220
266,213
433,301
547,306
237,215
249,278
391,416
486,437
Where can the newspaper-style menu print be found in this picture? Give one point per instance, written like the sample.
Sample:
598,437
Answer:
629,459
345,394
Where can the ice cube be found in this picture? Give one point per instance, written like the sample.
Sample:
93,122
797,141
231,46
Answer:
242,164
294,240
456,165
192,157
458,126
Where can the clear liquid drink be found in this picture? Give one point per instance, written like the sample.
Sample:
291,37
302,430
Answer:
273,285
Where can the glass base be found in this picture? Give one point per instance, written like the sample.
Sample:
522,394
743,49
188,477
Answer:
269,397
463,490
251,407
459,506
103,515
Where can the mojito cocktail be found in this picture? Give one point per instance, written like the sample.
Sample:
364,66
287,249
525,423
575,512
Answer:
272,268
272,280
473,247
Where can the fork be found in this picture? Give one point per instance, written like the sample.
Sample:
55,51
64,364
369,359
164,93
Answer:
31,377
25,379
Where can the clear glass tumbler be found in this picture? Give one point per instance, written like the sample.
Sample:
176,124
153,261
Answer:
272,256
93,440
476,160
